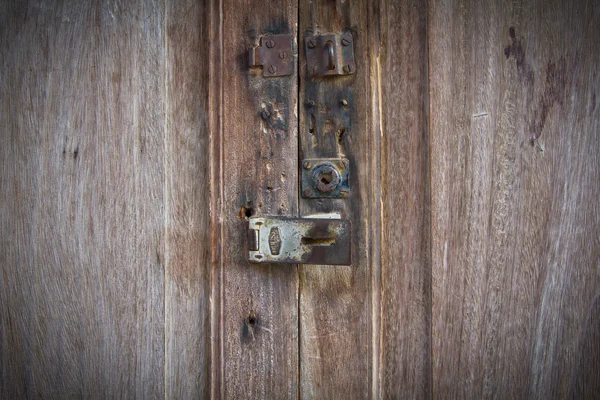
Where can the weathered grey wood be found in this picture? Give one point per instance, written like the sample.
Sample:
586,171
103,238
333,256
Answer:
188,244
401,71
336,301
81,200
258,175
515,211
215,121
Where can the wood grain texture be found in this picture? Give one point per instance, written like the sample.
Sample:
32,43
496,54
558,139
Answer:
258,175
405,349
188,243
515,211
336,301
81,204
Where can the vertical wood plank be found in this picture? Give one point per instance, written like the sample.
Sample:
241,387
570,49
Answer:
187,200
515,212
215,95
81,204
336,301
258,175
405,368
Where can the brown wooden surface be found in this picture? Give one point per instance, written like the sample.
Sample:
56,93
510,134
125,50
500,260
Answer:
187,192
515,210
405,333
132,149
81,200
335,301
258,175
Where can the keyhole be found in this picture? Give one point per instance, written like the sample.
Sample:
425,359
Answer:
326,178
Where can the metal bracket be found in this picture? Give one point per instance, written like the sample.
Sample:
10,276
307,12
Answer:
274,54
325,178
288,240
330,54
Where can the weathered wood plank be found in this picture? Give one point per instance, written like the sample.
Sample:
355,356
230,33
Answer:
258,175
515,212
336,301
81,204
405,348
187,199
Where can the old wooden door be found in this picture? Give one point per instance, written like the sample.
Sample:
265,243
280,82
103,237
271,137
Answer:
136,141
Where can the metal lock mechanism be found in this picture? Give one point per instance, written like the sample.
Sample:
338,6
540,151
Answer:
330,54
325,178
323,240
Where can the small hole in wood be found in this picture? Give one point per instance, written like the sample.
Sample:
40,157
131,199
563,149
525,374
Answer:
245,212
251,319
340,135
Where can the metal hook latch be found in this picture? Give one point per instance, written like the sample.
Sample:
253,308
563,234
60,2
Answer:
323,240
330,54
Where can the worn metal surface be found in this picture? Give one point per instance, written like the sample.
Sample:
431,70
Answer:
330,54
325,178
299,240
274,54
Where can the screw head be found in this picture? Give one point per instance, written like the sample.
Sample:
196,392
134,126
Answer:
307,165
344,164
348,68
344,102
283,55
345,42
311,43
265,114
310,103
272,69
307,192
344,192
270,43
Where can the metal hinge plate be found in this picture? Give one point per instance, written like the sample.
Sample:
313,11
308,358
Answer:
322,241
330,54
274,54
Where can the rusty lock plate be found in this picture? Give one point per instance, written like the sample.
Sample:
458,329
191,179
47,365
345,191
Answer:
290,240
325,178
330,54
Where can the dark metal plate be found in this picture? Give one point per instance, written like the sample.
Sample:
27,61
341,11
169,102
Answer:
274,54
330,54
325,178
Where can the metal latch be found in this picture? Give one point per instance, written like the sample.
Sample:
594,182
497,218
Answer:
330,54
275,55
289,240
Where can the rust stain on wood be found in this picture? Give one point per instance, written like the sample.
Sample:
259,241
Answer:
554,89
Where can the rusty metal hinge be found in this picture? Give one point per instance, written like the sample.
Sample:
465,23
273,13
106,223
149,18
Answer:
330,54
324,240
274,54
